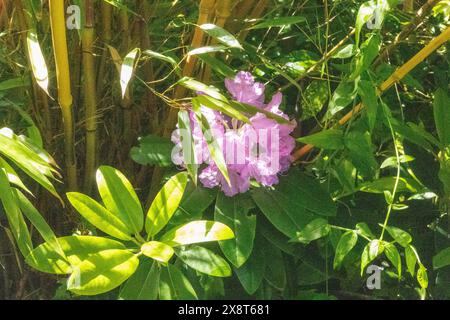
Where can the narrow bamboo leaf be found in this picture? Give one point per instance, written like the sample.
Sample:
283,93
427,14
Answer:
127,69
218,65
173,285
221,35
213,145
37,60
279,22
442,115
234,212
102,272
158,251
332,139
16,222
18,82
442,259
13,177
197,232
204,261
202,88
120,198
165,204
252,110
207,49
188,148
221,106
76,248
39,223
99,216
165,58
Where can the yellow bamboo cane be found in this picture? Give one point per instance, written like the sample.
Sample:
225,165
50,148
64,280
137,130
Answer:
90,96
398,75
58,27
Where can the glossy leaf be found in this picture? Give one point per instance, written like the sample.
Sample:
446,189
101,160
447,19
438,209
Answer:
158,251
173,285
345,245
197,232
119,197
205,261
165,203
314,230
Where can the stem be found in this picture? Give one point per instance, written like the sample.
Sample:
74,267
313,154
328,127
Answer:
106,13
90,96
58,28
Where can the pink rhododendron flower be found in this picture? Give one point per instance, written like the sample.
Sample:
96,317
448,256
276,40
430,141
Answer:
258,150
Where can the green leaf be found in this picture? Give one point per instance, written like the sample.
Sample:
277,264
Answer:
345,245
143,284
158,251
275,273
197,232
365,13
314,98
363,229
99,216
347,51
369,51
442,115
76,248
442,259
127,69
367,92
13,83
103,271
173,285
204,261
221,35
206,49
393,255
279,22
154,151
332,139
163,57
316,229
120,198
16,222
344,94
218,66
371,251
291,204
252,110
27,159
359,147
411,259
221,106
387,184
422,276
38,65
39,223
234,212
197,86
251,273
402,237
13,177
188,148
165,203
213,145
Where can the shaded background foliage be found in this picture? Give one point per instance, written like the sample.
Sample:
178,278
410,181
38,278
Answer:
308,50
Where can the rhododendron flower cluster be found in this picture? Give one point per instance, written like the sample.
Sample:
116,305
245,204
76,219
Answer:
258,150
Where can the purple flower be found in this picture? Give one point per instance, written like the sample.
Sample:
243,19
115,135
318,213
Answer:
258,150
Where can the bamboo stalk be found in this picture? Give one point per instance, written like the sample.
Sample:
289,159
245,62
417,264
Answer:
58,28
257,11
223,12
106,14
398,75
90,96
205,10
